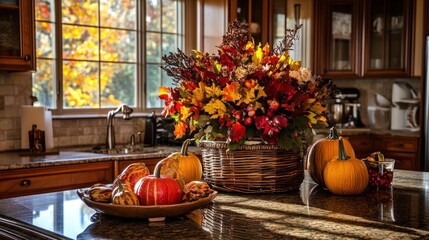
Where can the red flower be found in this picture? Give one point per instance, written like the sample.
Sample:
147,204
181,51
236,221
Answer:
237,132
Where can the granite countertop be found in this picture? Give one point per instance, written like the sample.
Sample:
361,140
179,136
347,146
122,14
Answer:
400,212
15,160
360,131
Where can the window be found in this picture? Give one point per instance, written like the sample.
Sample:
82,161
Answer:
96,54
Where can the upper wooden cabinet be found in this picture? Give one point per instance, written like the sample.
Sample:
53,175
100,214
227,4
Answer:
381,46
337,38
266,18
17,51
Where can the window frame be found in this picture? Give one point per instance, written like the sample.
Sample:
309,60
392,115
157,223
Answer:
189,17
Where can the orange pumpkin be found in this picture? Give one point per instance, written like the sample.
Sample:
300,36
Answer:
345,175
186,162
322,151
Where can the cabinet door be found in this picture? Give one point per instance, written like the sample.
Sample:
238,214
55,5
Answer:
17,35
266,18
337,38
388,37
362,145
19,182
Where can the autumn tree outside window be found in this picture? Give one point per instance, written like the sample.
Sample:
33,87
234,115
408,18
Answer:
95,54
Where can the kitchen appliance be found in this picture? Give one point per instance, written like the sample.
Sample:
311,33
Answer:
344,110
405,104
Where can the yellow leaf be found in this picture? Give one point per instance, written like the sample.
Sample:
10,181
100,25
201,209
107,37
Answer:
257,56
213,91
185,113
215,108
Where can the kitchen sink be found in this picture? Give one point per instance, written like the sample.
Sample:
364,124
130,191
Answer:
125,150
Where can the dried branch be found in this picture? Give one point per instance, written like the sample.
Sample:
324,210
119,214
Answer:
287,42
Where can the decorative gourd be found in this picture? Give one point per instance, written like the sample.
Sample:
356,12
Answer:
131,174
100,193
344,175
196,190
186,162
322,151
171,169
158,190
122,195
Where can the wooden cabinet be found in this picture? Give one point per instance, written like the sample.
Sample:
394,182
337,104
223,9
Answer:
122,164
337,38
388,37
266,18
405,150
362,144
17,51
380,47
28,181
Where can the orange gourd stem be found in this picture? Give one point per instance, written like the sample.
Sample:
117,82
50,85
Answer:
342,155
184,149
333,134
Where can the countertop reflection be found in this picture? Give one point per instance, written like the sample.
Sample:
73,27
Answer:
400,212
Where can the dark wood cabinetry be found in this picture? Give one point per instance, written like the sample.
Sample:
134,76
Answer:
266,18
372,38
404,149
29,181
363,145
337,34
17,51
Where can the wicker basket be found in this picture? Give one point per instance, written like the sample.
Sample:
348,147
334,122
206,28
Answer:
251,168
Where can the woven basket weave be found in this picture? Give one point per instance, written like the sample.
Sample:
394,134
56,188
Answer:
251,168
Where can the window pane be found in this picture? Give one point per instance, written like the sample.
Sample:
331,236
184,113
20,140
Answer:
153,47
118,45
45,10
153,15
118,14
80,12
166,80
80,84
80,42
118,84
170,16
153,77
45,38
169,43
44,84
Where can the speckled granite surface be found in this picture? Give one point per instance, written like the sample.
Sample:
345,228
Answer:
13,160
401,212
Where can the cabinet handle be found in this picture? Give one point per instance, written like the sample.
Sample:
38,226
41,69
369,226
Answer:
25,182
27,57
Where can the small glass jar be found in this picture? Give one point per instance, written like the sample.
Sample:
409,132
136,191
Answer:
380,172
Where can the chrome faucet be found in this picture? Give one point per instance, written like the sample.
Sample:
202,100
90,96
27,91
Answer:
110,138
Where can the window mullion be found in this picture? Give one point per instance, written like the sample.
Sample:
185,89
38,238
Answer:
58,56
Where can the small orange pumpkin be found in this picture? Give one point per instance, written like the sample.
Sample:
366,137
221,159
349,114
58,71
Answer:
322,151
344,175
186,162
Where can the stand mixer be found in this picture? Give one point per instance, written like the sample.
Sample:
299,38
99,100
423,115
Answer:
344,112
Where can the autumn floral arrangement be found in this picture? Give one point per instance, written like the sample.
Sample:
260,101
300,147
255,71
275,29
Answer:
244,92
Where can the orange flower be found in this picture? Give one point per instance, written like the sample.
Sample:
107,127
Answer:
180,129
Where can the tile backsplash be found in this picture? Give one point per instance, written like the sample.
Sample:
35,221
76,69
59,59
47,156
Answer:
15,89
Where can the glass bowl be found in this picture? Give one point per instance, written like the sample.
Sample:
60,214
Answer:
380,172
